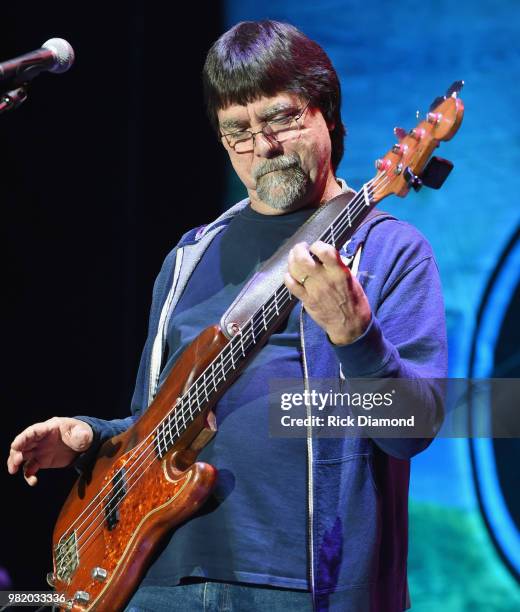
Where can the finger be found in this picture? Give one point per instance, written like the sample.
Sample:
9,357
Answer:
78,437
300,255
327,254
33,434
301,263
14,461
20,458
294,286
350,279
30,468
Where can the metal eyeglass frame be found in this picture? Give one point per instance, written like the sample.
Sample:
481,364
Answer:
268,136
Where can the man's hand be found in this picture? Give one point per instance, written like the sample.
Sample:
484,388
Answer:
330,293
52,444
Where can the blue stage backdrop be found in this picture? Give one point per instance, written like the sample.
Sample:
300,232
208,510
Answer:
393,59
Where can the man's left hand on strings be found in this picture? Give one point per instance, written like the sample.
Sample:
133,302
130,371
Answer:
330,293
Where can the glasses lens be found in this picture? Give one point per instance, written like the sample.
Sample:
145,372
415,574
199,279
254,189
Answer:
284,131
244,145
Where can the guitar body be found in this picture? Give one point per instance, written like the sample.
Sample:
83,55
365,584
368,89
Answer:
116,515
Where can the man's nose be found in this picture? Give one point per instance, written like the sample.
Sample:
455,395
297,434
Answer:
266,145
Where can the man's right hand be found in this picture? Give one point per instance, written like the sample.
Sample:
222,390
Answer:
51,444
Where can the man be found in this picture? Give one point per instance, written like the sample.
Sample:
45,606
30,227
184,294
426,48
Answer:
293,524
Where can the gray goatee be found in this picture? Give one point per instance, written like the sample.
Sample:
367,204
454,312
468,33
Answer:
280,182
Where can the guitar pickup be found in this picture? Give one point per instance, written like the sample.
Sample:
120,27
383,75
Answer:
114,499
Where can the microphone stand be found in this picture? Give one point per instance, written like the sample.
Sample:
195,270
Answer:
13,99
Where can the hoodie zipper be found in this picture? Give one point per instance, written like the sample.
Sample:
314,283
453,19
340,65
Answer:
310,475
354,265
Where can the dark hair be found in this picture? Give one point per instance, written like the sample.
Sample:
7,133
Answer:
264,58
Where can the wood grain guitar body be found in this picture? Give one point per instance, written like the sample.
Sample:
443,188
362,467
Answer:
116,515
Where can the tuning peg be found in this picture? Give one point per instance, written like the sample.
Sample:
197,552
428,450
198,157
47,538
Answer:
436,102
400,133
383,164
434,118
400,149
454,89
418,133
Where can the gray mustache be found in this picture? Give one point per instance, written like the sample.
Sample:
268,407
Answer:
270,165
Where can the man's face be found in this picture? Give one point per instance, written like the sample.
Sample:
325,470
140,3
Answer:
284,175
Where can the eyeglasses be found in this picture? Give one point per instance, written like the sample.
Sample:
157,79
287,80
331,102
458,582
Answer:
279,129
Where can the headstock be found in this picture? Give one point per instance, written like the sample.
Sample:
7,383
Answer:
403,166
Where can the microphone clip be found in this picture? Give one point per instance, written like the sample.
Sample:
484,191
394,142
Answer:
13,99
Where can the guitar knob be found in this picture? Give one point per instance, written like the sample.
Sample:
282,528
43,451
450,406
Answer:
51,578
99,574
82,597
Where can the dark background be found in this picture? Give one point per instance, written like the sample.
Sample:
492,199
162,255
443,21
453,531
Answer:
102,170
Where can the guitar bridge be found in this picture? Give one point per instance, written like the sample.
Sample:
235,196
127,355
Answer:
66,557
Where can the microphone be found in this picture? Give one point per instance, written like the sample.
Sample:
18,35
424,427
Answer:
56,55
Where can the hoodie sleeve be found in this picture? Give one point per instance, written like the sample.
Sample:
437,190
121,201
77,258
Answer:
406,337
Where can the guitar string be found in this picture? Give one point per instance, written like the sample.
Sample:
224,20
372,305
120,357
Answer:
194,386
195,390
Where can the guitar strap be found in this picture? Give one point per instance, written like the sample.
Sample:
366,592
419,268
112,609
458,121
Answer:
269,277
